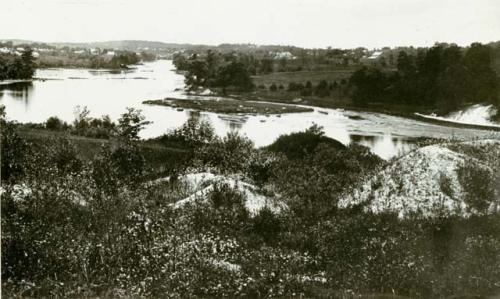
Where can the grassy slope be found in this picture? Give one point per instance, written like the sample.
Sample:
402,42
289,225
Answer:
427,181
160,159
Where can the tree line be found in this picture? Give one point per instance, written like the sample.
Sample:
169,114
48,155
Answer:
218,70
14,67
442,77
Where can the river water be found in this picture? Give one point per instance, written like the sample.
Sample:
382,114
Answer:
105,92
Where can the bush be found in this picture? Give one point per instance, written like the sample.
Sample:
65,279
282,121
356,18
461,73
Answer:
15,152
298,145
273,87
292,86
54,123
479,186
131,123
230,154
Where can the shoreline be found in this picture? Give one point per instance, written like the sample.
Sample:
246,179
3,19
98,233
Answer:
9,82
410,114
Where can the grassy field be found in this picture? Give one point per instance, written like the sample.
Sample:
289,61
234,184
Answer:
285,78
160,159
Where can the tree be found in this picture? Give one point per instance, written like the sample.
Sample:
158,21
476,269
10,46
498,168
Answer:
82,118
197,73
131,123
483,81
406,64
27,64
54,123
370,85
234,74
322,89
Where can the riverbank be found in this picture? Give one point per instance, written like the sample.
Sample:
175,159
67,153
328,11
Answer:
406,111
228,106
8,82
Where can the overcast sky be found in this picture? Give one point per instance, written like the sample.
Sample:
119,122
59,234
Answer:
309,23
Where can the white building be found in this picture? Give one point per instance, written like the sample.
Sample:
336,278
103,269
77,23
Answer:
283,55
375,55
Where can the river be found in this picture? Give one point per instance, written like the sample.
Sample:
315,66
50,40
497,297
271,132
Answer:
105,92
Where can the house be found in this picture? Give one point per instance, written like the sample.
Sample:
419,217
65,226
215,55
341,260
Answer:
283,55
375,55
373,58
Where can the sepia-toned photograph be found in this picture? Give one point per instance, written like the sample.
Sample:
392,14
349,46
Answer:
342,149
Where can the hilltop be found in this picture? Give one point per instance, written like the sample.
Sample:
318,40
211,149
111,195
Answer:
452,179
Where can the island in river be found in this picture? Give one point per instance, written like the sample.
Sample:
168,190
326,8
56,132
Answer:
229,106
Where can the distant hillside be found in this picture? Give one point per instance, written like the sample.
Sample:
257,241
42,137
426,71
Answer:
135,45
131,45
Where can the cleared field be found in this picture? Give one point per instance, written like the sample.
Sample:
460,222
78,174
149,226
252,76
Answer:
303,76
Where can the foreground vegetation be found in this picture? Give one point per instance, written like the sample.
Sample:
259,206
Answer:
104,224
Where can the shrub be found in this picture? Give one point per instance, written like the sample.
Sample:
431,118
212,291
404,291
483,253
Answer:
478,183
298,145
54,123
292,86
131,123
230,154
14,152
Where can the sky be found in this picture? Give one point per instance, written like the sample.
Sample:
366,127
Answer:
305,23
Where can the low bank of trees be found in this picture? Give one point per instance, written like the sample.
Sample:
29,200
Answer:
14,67
441,77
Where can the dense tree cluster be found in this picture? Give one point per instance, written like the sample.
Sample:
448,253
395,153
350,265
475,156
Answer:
441,77
216,70
120,60
17,67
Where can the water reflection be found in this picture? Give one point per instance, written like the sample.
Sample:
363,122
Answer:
386,146
19,91
234,122
105,92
